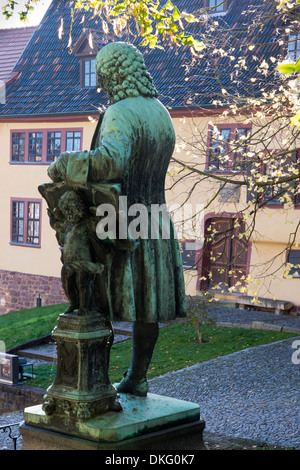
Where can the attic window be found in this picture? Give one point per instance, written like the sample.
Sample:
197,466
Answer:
89,74
294,47
216,6
86,53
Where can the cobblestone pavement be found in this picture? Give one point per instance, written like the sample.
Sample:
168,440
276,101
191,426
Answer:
248,399
252,394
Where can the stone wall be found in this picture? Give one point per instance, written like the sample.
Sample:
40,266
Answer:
17,397
20,291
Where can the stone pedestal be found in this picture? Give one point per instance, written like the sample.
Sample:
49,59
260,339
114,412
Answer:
82,409
149,422
82,387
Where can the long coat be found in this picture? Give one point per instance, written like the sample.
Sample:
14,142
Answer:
133,148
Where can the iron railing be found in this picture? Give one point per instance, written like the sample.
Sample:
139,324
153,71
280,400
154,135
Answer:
13,434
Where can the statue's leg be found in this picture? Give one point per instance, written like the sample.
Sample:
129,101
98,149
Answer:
144,337
69,285
87,292
110,343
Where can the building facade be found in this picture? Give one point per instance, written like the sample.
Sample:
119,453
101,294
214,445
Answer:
53,104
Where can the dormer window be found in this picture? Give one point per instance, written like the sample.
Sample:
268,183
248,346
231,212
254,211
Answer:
293,52
86,52
89,73
216,6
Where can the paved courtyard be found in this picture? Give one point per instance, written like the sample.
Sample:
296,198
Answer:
252,394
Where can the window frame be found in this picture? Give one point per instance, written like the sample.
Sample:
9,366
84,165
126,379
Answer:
288,262
26,220
297,194
35,147
274,202
84,74
53,139
264,200
18,144
73,138
213,10
45,134
293,39
233,129
187,252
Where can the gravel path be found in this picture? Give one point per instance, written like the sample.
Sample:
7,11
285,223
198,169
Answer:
252,394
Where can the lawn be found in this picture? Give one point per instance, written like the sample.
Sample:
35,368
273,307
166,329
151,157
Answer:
19,327
176,348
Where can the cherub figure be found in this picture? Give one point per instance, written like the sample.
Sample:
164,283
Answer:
79,270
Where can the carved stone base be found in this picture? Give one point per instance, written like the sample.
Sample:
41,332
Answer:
151,422
82,387
79,406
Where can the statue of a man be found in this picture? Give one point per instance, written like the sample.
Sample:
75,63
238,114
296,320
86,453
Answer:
132,147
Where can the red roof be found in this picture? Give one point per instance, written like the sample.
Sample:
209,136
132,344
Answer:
12,43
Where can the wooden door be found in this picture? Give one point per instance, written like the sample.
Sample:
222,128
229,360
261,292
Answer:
228,253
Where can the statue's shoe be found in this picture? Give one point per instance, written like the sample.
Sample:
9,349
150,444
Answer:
135,387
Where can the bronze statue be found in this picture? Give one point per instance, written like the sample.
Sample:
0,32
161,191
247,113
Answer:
140,281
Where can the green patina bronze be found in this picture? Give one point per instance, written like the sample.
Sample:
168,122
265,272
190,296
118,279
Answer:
114,279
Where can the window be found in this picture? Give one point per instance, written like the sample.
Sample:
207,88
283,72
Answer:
219,149
35,146
33,223
73,141
217,5
53,146
241,148
17,233
18,147
294,47
294,260
227,147
89,73
273,193
295,185
25,222
43,145
188,254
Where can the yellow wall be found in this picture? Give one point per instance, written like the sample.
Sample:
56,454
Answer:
22,180
273,226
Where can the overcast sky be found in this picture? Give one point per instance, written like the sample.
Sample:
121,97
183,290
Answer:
35,17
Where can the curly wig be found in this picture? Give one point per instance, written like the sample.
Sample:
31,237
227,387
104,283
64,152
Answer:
122,73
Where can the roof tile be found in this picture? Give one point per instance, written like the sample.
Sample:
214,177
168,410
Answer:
12,44
51,74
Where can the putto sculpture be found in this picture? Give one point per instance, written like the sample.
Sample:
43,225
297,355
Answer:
105,278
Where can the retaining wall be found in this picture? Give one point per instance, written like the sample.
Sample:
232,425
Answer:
20,291
17,397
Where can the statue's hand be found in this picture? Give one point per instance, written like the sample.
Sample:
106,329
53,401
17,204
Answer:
57,170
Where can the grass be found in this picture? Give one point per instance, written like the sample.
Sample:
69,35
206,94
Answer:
18,327
176,348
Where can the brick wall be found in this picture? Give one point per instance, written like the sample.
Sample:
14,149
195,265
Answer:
17,397
19,291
